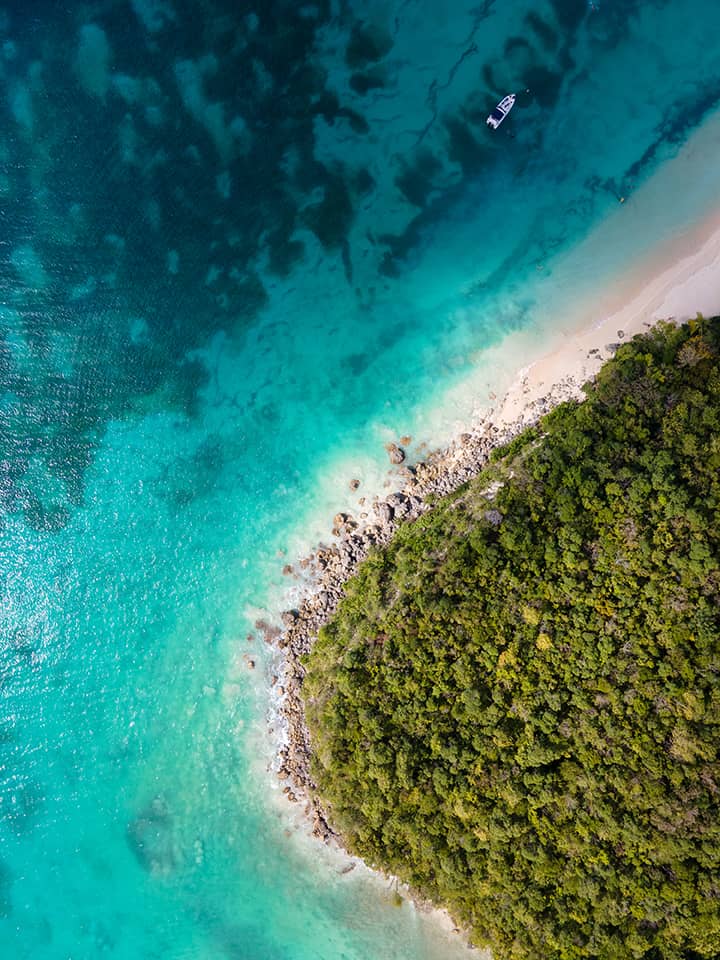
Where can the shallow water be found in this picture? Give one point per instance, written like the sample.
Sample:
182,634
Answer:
242,248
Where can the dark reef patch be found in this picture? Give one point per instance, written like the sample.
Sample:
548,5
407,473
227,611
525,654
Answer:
367,44
357,122
151,839
568,13
416,180
489,78
363,181
331,218
389,266
251,295
545,33
361,83
191,477
463,147
544,85
327,105
513,44
399,246
44,519
284,251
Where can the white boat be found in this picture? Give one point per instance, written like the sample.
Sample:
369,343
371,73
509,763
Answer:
501,111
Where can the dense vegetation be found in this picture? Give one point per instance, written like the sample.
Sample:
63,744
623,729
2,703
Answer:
516,708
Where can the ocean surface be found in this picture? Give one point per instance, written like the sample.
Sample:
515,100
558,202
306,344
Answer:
244,246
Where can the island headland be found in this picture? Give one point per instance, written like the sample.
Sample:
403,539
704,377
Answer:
512,703
676,281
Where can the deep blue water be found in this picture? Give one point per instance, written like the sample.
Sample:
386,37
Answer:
242,247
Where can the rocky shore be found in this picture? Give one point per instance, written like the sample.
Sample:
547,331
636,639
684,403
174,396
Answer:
328,569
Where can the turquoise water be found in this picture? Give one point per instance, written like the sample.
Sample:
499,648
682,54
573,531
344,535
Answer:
242,248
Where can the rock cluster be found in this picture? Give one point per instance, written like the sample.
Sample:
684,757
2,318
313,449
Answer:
396,453
330,567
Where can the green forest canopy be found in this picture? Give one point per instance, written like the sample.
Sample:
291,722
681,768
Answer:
516,708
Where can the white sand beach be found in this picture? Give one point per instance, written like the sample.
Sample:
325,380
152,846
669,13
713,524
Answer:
681,280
